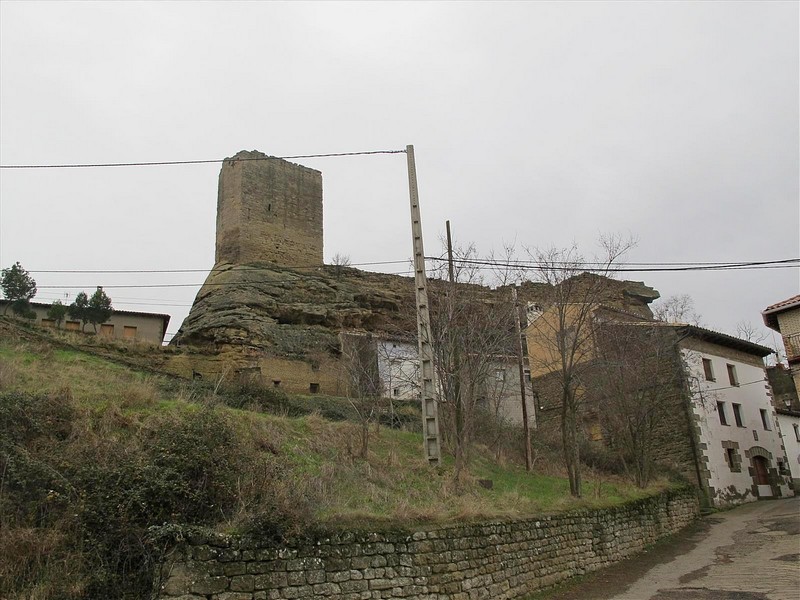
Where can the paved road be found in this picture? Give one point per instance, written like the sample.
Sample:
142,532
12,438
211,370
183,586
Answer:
749,553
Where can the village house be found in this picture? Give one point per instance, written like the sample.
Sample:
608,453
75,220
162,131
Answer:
784,317
122,325
717,425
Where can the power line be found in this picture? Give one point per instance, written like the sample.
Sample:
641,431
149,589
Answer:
760,265
587,267
199,162
214,270
555,265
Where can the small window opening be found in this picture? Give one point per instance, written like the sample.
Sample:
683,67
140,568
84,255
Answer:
755,435
708,369
734,380
730,457
737,415
500,375
796,431
765,419
269,207
396,391
313,388
723,418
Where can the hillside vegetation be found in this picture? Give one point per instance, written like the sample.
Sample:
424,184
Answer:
93,454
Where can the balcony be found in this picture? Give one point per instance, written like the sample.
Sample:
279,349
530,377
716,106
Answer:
792,344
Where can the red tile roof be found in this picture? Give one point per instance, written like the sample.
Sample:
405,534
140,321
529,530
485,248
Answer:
770,314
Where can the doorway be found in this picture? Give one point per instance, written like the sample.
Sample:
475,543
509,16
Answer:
761,476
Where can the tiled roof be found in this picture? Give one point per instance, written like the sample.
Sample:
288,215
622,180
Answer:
784,304
770,314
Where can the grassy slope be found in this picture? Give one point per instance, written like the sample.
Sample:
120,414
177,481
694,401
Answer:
393,484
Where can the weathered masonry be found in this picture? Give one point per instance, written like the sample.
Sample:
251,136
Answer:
497,560
268,210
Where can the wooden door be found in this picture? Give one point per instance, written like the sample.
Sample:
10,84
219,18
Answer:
761,468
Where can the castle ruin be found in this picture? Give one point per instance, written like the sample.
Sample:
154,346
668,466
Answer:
268,210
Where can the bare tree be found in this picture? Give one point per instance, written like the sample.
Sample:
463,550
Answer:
340,262
636,383
677,309
364,387
560,339
473,333
747,331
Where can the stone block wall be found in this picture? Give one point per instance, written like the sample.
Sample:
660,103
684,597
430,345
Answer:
496,560
268,210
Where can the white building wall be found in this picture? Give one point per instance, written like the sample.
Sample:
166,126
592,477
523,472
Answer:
398,368
752,395
790,433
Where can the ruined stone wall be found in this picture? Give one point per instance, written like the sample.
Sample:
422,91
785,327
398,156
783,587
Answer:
498,560
320,374
268,211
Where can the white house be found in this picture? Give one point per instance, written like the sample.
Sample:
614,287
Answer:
741,454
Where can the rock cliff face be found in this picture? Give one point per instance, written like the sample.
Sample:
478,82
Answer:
294,312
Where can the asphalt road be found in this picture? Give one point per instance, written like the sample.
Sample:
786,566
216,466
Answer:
751,552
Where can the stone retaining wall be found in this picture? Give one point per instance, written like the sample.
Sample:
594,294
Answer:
496,560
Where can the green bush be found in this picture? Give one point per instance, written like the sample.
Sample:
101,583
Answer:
76,494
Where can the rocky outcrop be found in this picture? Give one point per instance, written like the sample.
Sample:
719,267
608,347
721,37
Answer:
296,312
292,312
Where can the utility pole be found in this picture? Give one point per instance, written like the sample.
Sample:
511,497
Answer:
430,410
455,367
520,359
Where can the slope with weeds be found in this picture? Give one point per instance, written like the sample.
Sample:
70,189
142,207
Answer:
93,453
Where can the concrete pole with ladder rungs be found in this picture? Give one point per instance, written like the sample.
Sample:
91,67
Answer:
430,410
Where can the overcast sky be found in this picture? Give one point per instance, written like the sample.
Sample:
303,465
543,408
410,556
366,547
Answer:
540,123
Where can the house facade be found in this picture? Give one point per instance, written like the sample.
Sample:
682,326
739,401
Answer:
784,317
741,456
122,325
717,425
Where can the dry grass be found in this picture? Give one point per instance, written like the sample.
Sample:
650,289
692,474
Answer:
392,484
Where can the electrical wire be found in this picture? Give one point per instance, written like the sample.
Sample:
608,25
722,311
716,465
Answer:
485,262
199,162
586,267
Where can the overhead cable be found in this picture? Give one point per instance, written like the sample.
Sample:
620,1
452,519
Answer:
198,162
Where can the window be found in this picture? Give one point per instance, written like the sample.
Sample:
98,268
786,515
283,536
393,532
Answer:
107,329
500,375
732,375
796,432
755,435
765,419
730,458
129,332
396,392
737,415
708,370
723,418
313,388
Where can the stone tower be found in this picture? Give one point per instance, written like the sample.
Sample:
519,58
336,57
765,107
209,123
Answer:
268,211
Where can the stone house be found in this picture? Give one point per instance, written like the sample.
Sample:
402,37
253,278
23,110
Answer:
718,429
122,325
784,317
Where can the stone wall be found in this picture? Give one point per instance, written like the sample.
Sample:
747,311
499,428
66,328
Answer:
268,210
497,560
